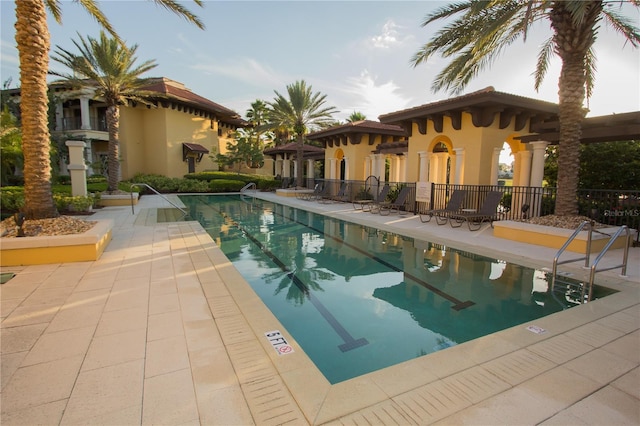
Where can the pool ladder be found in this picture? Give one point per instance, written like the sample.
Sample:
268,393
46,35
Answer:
581,287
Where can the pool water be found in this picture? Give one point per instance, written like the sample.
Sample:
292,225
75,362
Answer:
358,299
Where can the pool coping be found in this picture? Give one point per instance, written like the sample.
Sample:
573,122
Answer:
322,402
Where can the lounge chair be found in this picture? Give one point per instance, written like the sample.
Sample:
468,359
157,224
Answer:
442,215
367,205
486,213
306,195
387,208
342,195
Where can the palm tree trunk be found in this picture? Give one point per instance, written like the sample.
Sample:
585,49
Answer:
300,160
573,42
32,38
113,160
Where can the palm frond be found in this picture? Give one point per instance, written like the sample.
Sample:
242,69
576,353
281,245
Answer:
542,65
182,11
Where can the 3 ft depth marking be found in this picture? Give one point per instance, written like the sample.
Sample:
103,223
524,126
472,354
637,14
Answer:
278,342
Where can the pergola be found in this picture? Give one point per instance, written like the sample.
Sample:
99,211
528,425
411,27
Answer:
606,128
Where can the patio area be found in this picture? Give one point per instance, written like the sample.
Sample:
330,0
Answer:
163,329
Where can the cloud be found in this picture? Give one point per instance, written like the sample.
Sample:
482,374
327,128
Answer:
372,98
246,70
390,37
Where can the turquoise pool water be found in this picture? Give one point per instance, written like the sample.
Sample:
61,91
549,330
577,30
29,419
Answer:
358,299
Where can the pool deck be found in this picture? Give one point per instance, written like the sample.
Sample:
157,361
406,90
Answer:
162,329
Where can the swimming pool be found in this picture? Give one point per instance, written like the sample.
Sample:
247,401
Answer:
358,299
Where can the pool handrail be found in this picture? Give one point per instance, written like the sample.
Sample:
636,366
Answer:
157,193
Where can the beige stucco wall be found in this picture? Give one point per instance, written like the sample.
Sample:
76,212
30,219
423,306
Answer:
151,140
478,144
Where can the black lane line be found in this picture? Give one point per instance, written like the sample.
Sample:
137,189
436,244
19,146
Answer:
349,341
458,305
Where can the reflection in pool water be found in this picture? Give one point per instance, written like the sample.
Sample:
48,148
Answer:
358,299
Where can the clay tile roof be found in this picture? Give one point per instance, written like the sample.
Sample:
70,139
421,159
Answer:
486,97
363,126
177,91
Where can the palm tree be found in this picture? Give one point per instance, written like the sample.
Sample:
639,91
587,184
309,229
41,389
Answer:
302,110
356,116
108,67
482,29
33,41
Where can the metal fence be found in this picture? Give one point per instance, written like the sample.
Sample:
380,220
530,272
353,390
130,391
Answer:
610,207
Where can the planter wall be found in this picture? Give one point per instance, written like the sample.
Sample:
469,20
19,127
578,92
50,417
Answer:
548,236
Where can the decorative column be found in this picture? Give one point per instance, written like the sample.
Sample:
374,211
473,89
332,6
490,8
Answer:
311,173
441,167
394,172
537,163
77,168
286,167
381,166
495,165
525,167
346,168
423,167
537,175
332,168
459,176
433,167
84,113
402,168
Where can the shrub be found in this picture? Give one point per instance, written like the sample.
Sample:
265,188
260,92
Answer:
11,198
225,185
189,185
77,203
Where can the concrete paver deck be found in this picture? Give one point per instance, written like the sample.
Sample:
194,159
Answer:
163,329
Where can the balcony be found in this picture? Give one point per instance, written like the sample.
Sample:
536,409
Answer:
97,123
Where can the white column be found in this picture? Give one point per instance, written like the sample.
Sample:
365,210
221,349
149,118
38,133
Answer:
380,167
433,167
537,163
77,168
495,165
84,113
295,169
525,167
459,176
402,168
442,158
332,168
394,172
346,168
286,168
423,167
311,173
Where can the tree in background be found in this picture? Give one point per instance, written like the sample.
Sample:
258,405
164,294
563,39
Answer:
603,165
299,112
482,29
245,149
356,116
109,68
33,42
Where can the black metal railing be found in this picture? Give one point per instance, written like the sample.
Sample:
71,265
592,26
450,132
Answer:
610,207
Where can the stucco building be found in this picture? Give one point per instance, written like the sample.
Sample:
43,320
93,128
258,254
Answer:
172,137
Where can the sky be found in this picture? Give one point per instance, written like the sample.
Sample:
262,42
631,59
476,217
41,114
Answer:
357,53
